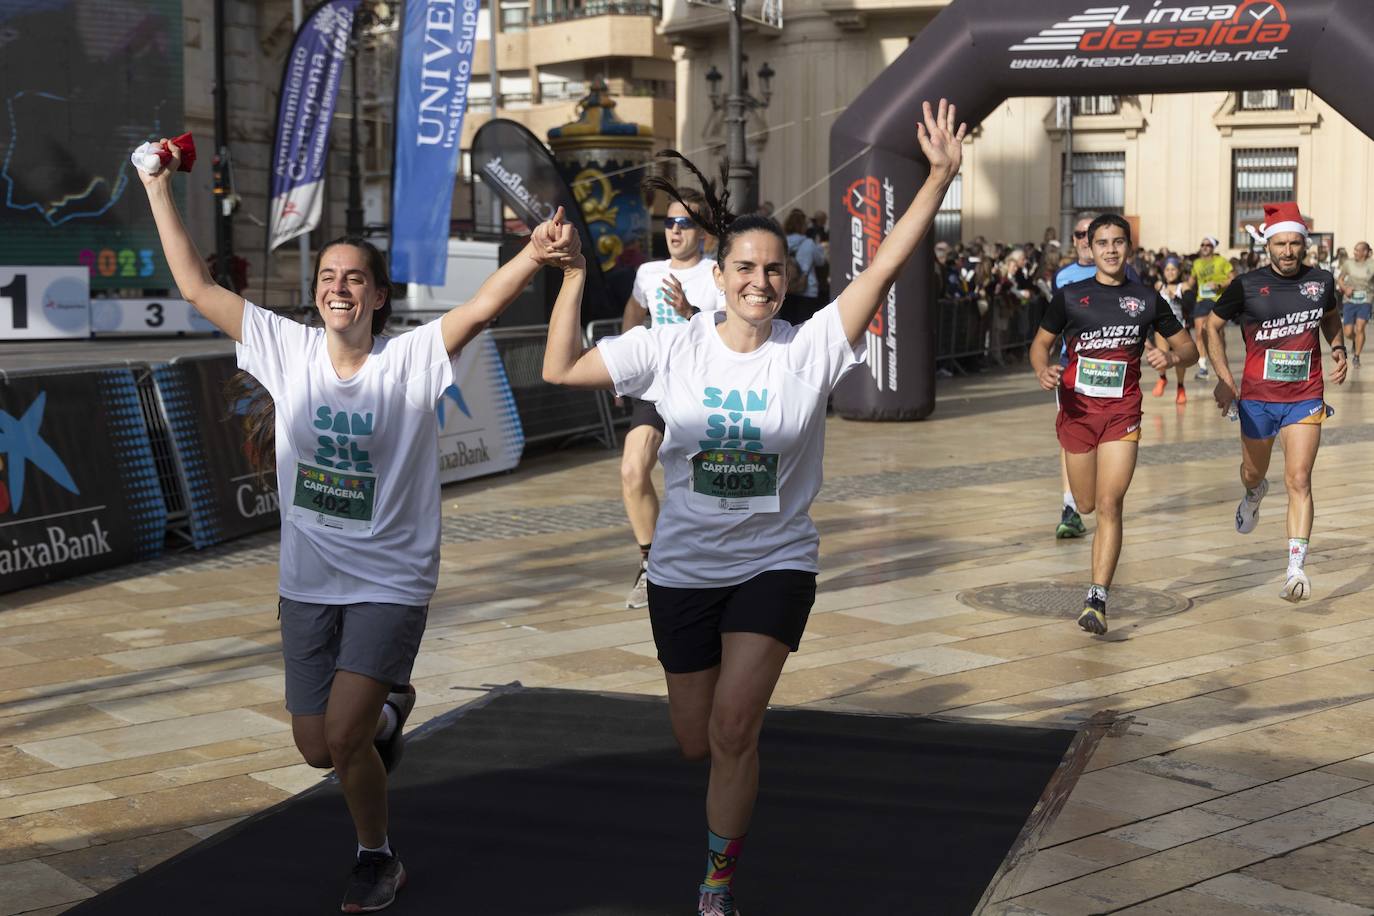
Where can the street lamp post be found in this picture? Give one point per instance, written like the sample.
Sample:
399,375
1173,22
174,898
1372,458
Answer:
737,102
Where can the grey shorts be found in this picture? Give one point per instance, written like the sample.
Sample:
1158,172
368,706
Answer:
379,641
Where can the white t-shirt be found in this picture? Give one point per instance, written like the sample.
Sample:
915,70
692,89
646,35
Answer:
698,283
357,460
727,415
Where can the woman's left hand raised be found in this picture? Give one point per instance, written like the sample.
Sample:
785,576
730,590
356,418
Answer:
941,144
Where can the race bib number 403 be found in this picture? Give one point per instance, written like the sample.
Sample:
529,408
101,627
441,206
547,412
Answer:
342,500
1100,378
1287,365
734,480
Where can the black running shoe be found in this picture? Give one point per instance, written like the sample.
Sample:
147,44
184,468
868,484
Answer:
1094,616
402,701
373,885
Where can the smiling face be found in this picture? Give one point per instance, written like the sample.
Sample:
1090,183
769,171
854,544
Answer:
684,241
346,294
1111,247
1172,272
755,276
1286,251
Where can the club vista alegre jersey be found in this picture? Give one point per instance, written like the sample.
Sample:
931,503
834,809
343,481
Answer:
1280,319
1105,329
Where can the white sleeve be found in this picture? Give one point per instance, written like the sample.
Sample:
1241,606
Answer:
632,361
425,364
637,290
269,343
820,353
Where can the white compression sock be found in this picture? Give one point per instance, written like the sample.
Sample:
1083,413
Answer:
386,725
384,849
1297,553
1068,500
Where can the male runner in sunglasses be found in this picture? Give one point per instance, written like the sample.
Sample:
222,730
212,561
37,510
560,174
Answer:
668,292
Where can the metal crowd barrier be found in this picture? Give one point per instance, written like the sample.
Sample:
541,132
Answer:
548,412
963,331
617,409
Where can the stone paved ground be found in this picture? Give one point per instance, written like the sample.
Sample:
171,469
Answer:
141,711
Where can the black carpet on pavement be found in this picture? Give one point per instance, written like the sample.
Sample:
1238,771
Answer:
554,803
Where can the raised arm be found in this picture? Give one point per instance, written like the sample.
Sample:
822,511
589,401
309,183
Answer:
221,307
942,146
551,244
566,361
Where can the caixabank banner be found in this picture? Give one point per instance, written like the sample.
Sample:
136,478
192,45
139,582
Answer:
977,53
479,426
225,498
78,487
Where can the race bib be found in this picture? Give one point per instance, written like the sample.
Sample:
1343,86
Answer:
729,481
1209,291
1359,296
326,498
1287,365
1100,378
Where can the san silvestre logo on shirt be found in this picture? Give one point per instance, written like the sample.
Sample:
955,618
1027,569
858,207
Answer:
736,426
1289,325
341,449
1110,337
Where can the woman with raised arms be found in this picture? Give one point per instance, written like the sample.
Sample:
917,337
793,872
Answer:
351,425
732,572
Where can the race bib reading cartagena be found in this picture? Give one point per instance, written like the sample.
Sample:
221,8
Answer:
734,480
1100,378
1287,365
342,500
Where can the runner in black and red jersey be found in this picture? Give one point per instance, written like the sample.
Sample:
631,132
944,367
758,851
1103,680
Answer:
1106,321
1281,308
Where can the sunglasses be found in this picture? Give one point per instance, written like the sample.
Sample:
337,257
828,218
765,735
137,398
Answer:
1080,234
677,222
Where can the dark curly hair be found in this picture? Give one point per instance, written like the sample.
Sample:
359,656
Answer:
715,217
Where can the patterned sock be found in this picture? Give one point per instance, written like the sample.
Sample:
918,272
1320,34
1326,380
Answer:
1097,596
644,550
1297,553
721,854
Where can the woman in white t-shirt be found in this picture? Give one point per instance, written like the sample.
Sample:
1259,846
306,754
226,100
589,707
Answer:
351,431
732,575
666,292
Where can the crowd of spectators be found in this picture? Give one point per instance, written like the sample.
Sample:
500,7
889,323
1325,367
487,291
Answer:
996,292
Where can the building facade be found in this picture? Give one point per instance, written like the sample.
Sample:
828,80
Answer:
547,54
1179,166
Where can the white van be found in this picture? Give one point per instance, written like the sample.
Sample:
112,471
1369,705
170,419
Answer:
469,265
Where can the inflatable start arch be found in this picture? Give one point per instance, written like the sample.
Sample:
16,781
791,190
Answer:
978,53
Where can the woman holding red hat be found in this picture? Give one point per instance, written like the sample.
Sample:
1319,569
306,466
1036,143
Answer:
1282,308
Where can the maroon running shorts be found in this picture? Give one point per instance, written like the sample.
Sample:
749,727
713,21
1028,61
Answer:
1086,432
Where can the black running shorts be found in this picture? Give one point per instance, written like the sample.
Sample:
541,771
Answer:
687,622
643,413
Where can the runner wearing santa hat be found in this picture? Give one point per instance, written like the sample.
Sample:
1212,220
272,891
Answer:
1281,309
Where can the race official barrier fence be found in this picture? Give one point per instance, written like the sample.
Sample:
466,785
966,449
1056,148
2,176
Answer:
964,329
104,465
79,487
549,412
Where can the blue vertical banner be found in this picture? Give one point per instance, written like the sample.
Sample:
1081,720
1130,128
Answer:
309,91
431,97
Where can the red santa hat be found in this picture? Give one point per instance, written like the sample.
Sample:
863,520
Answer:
1282,217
